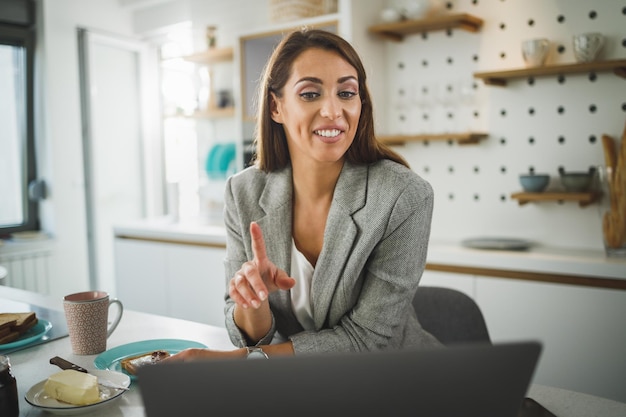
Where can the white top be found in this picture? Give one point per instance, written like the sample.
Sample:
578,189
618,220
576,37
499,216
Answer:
302,272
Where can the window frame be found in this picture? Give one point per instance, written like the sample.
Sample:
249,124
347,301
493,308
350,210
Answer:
21,33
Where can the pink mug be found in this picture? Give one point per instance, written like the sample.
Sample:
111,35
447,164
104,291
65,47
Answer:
87,315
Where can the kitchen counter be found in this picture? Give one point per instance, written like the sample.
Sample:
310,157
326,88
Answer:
540,262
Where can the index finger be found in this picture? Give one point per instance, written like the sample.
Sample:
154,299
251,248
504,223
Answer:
258,244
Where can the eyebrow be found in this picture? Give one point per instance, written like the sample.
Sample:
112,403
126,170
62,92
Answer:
319,81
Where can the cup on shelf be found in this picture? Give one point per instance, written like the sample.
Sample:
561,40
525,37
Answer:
587,46
535,51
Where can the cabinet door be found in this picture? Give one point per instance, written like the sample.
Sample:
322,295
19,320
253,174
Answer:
196,283
459,282
582,331
140,275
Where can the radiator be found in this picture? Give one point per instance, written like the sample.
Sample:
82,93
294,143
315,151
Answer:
28,267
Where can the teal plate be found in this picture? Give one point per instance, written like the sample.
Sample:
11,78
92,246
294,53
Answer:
32,335
111,359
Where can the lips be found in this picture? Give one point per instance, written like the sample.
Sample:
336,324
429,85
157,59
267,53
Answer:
330,135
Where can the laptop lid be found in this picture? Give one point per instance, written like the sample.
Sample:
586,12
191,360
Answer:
472,380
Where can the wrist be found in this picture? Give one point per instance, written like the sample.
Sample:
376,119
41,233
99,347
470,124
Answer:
255,352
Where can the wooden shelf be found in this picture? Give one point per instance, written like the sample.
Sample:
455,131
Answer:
499,78
583,199
396,31
460,138
211,56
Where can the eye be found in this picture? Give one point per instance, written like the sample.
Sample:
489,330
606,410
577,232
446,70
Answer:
347,94
309,95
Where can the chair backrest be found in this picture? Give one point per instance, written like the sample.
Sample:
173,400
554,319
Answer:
450,315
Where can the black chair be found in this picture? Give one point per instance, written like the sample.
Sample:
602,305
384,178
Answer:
450,315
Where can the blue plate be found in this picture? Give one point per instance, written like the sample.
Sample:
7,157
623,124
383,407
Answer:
33,334
111,359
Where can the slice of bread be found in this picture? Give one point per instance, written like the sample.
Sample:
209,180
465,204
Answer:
21,320
10,337
13,325
133,363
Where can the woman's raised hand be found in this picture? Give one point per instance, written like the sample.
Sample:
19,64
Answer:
257,278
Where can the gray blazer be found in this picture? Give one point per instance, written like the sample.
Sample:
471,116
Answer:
373,256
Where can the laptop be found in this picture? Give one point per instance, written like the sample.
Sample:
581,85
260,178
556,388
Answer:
469,380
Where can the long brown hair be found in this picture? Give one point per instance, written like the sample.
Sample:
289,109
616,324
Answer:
271,144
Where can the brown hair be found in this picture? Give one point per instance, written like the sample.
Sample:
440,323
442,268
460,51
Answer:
271,144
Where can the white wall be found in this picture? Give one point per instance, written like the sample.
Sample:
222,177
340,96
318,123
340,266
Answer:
58,133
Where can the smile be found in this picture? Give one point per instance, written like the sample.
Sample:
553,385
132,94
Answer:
330,133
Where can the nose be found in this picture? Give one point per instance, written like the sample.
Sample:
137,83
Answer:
331,108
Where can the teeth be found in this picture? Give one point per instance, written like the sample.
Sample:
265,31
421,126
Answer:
328,133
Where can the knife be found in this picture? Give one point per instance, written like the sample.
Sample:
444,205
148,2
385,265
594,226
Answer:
64,364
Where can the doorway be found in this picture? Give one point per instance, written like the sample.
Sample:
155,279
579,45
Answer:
121,142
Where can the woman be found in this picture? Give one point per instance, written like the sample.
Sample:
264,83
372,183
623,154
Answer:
327,233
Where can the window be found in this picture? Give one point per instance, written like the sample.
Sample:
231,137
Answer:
18,212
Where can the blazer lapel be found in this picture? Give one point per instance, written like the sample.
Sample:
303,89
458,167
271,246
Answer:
339,236
276,224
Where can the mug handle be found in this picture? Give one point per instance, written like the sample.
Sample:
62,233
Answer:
117,319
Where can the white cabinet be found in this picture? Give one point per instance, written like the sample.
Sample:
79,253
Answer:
177,280
581,328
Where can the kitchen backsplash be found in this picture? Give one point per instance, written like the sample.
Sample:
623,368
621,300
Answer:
539,123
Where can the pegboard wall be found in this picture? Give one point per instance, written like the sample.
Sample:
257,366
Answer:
535,124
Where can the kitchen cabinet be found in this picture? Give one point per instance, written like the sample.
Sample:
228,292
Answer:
174,279
579,327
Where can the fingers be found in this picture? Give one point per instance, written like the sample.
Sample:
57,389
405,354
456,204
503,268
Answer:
258,244
284,281
247,288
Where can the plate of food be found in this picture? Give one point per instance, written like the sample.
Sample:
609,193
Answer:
128,358
71,392
27,328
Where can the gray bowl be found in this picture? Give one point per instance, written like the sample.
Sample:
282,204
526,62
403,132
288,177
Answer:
576,182
534,183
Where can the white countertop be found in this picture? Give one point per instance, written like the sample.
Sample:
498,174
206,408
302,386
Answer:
539,259
165,229
31,365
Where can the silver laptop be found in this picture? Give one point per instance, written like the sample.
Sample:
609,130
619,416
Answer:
471,380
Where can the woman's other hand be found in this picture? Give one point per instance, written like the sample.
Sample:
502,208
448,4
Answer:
259,277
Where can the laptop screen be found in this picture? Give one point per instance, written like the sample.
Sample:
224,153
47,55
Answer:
471,380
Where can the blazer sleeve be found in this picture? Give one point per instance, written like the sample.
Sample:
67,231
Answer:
237,245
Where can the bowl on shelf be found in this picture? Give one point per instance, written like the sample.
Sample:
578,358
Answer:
576,182
534,183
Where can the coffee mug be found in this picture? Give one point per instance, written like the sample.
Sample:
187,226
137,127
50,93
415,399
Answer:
87,315
587,46
535,51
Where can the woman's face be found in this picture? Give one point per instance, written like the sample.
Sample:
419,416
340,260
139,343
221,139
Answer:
319,108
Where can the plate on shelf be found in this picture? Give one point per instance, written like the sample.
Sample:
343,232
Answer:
38,398
33,334
496,243
111,359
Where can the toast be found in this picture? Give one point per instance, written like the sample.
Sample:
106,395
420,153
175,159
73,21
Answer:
133,363
20,321
13,325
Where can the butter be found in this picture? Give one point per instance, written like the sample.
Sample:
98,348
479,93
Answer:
73,387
